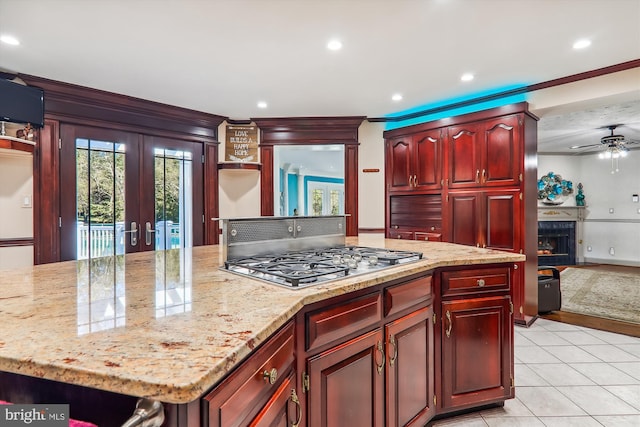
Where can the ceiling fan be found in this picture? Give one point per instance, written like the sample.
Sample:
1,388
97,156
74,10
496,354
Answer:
610,141
615,146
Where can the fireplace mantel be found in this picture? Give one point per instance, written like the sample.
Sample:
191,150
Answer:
561,213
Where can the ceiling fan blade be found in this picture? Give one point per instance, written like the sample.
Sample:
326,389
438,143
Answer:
575,147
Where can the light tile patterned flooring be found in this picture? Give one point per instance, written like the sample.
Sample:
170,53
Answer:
566,376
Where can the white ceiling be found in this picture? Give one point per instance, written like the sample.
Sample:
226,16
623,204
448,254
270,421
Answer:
223,56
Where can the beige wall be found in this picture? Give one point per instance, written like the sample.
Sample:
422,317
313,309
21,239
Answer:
16,219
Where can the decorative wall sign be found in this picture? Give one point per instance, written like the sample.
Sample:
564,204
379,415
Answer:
241,143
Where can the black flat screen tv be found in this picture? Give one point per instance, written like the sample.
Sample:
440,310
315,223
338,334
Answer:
21,104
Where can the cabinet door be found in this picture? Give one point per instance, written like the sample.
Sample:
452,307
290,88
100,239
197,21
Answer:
346,384
464,217
464,148
477,352
410,370
427,158
283,408
399,170
501,154
501,220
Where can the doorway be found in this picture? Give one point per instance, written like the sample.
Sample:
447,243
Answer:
125,192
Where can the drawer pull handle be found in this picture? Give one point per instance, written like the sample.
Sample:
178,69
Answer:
481,282
381,350
433,228
270,376
392,359
294,399
448,331
477,176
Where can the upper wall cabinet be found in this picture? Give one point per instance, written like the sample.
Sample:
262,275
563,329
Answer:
485,154
414,162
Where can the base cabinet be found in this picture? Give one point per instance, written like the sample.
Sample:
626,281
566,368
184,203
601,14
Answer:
283,408
346,384
475,352
410,370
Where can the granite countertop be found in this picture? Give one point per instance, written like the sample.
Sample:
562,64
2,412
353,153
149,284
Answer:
166,325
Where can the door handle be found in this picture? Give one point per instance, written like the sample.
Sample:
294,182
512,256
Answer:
133,239
148,233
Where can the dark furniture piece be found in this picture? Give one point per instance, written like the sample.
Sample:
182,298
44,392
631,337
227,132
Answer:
549,294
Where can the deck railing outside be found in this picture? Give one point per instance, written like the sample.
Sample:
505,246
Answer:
108,239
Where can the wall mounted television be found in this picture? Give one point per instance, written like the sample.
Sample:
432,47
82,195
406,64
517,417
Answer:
21,104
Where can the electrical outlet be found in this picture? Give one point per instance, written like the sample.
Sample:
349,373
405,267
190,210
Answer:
612,251
610,210
589,249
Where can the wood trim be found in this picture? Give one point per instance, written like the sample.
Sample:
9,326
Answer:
211,194
520,107
67,100
266,181
11,143
309,130
351,188
46,195
18,241
240,166
371,230
586,75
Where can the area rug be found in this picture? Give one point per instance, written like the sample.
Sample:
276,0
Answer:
603,294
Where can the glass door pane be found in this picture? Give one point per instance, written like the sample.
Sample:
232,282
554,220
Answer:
100,195
173,171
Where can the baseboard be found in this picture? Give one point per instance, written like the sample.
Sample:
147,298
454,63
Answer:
626,263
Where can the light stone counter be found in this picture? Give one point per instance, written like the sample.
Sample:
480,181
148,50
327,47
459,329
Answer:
168,324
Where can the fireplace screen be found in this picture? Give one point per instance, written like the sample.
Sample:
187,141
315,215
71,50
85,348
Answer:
556,243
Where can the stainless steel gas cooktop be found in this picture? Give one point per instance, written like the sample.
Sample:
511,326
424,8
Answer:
302,268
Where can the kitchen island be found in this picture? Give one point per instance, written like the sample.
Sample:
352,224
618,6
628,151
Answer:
169,325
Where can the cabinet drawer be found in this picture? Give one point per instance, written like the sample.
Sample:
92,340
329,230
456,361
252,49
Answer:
405,295
476,280
334,323
241,394
406,235
431,237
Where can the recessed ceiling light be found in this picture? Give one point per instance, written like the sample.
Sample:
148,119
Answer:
466,77
262,104
5,38
397,97
334,45
581,44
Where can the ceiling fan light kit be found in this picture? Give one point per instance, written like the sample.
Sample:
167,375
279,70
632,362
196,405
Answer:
616,147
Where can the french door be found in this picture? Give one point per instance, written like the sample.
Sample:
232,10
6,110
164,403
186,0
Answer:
125,192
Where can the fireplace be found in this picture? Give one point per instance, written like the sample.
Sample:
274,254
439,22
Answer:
560,235
556,243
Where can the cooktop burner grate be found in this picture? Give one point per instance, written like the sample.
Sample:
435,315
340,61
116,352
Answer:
300,268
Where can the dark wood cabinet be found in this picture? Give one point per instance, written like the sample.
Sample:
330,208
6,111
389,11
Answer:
346,383
283,408
488,193
255,391
410,369
485,154
487,219
385,375
475,337
476,355
414,162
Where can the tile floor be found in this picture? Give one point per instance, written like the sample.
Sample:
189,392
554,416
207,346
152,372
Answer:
567,376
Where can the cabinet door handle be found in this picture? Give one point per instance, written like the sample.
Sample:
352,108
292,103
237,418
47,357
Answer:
294,399
380,348
477,176
448,331
392,341
270,376
484,175
415,180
